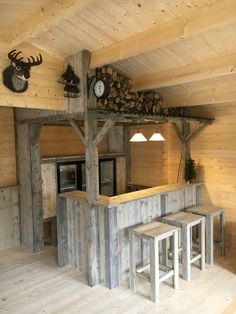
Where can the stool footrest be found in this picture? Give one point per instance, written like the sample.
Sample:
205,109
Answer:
195,258
142,268
166,275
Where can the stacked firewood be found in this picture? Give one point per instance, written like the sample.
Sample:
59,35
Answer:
121,99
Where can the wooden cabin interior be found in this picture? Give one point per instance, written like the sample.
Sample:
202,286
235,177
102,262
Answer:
73,185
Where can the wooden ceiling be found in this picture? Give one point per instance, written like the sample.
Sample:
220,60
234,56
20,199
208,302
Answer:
184,48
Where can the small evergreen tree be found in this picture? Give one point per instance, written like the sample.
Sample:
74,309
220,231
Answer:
190,172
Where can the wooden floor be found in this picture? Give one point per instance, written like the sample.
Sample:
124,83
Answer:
32,283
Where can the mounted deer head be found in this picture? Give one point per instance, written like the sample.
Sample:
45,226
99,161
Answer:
16,75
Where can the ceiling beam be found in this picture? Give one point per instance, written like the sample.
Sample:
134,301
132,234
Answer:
224,65
218,14
47,17
203,97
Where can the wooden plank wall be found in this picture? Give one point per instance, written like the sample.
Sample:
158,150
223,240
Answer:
44,91
7,148
9,218
112,223
214,150
49,189
59,141
147,159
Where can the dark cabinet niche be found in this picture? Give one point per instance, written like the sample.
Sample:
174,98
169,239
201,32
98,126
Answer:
71,176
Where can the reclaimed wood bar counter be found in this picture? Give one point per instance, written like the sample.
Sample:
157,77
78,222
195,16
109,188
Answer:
103,248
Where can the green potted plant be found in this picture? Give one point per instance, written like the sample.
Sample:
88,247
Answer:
190,172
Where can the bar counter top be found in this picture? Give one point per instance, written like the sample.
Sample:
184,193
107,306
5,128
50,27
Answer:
127,197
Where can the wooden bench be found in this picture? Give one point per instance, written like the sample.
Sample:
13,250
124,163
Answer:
154,232
210,212
186,221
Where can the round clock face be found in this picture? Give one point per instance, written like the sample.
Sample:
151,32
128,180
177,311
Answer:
101,89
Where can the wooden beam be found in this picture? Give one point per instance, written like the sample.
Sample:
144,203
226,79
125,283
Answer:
218,14
224,65
202,97
78,130
48,16
103,131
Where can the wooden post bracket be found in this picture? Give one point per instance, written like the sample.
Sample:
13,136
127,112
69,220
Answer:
186,139
103,131
78,130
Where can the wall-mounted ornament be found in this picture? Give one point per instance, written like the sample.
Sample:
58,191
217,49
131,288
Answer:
16,75
71,82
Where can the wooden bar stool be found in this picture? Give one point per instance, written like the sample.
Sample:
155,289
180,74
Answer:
154,232
210,212
186,221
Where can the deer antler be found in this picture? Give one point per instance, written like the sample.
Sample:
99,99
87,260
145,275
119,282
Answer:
35,62
12,55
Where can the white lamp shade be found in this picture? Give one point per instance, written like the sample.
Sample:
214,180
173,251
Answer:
156,137
138,137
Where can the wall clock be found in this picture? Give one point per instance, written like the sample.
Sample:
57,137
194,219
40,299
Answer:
101,88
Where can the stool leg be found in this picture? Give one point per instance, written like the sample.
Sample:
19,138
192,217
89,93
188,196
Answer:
132,275
154,270
202,243
176,260
222,220
165,252
186,252
209,240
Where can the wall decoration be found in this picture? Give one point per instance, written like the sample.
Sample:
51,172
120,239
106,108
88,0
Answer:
190,172
101,87
16,75
71,82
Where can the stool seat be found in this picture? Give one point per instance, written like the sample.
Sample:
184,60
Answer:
154,232
181,218
210,212
205,210
186,221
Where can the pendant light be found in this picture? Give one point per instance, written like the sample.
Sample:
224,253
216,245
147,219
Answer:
156,137
138,137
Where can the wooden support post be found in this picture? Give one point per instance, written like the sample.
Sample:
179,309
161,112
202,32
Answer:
127,154
92,175
186,144
29,179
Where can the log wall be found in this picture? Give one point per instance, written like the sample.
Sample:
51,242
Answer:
214,150
58,141
9,218
147,159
